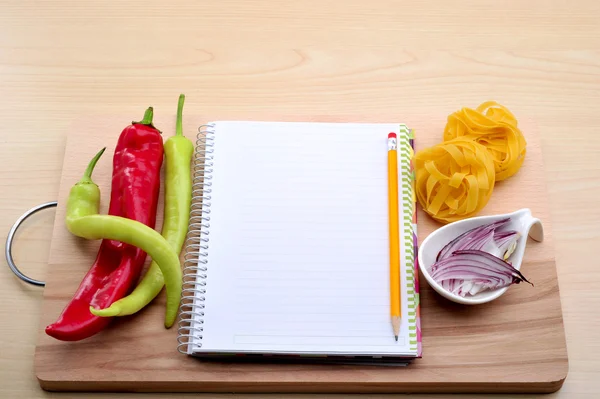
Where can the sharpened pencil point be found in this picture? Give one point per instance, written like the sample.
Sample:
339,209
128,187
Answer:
396,326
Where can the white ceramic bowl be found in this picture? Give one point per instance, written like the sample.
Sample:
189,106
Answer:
521,221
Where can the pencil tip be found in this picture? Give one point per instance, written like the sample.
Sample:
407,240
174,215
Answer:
395,336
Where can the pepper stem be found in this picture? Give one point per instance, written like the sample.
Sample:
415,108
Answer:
87,176
179,125
148,115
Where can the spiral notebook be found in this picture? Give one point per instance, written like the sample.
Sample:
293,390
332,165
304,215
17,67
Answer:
288,252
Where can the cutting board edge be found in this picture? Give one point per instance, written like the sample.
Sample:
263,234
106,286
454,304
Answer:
543,387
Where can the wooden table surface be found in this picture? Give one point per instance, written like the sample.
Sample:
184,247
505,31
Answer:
421,59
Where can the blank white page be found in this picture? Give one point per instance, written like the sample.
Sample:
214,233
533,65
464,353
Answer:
298,258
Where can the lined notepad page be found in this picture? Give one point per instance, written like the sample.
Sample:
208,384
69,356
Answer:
298,253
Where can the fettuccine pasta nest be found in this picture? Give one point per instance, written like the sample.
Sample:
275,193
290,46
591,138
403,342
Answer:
495,127
454,179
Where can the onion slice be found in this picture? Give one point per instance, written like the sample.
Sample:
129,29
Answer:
476,238
506,241
478,260
473,270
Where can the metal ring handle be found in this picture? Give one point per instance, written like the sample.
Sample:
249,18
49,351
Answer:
10,239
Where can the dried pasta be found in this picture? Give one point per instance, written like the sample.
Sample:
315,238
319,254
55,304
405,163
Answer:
495,127
454,179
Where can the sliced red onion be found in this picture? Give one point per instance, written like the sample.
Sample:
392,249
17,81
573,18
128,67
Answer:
506,241
476,238
472,271
499,235
507,267
486,238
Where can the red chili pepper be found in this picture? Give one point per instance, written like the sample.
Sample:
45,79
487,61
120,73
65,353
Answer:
134,194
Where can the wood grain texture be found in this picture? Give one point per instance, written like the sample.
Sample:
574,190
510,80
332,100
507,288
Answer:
418,59
515,344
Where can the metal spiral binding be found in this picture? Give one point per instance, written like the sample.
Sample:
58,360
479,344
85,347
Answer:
195,259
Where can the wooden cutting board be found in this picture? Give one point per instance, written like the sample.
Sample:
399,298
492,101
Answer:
514,344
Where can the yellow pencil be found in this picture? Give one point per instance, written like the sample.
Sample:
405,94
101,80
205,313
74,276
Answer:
395,299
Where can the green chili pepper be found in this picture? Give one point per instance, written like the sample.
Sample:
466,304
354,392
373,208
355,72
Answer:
178,197
83,220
